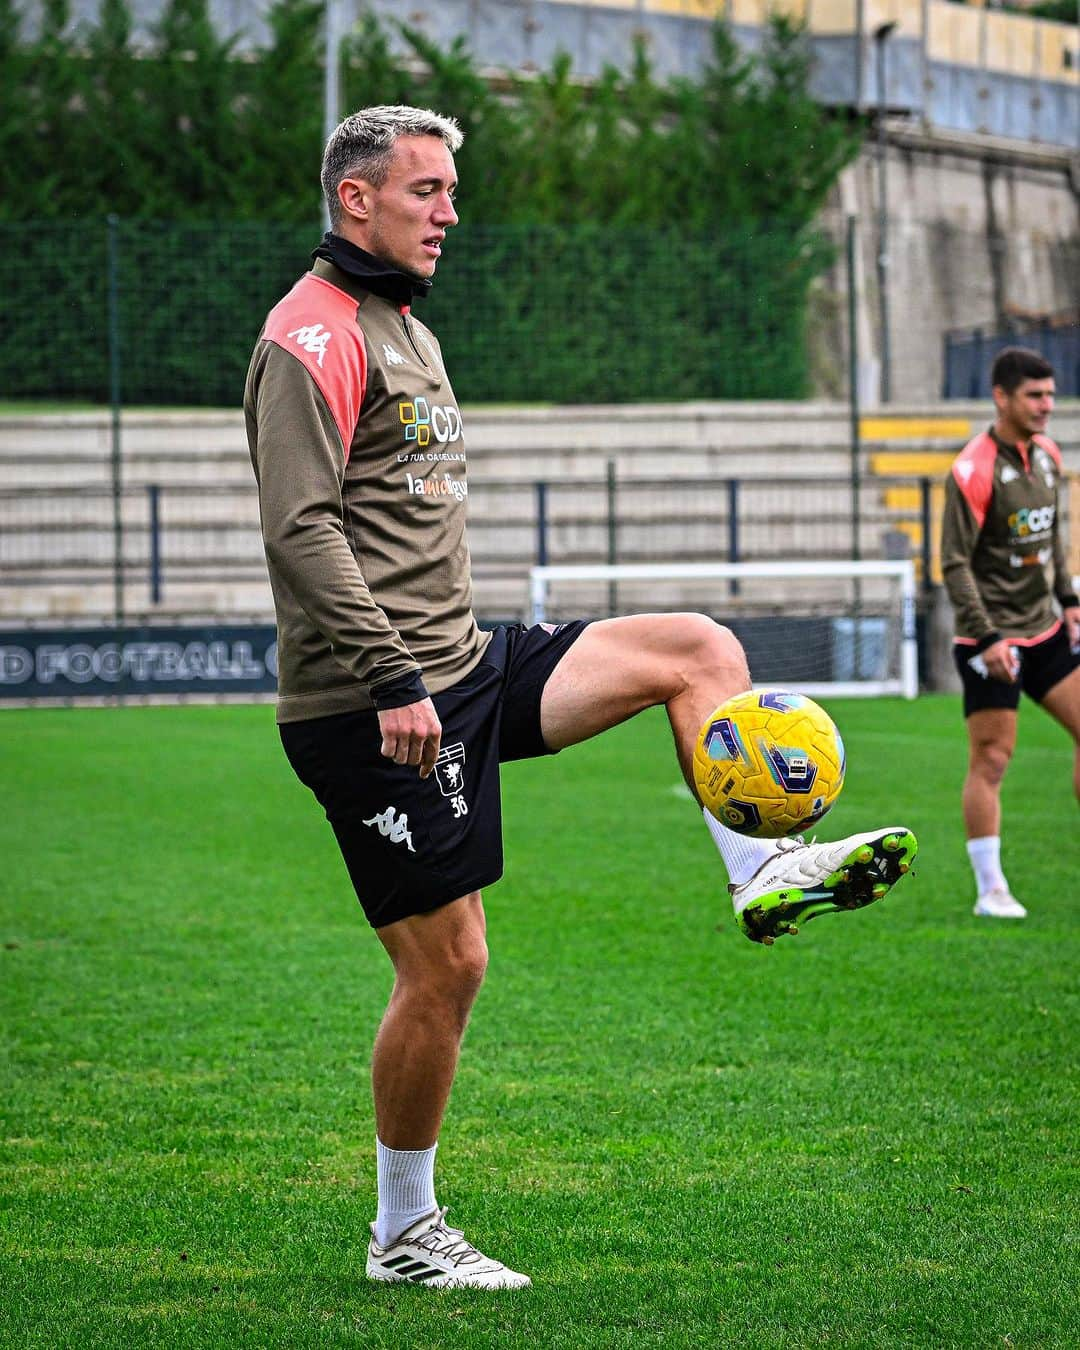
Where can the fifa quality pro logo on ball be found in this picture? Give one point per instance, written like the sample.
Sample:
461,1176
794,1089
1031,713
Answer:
769,763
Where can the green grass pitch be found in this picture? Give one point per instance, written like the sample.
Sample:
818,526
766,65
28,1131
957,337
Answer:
864,1136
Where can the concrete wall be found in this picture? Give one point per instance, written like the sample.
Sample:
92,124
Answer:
979,234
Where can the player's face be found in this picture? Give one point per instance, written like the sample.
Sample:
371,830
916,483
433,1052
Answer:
1027,409
404,222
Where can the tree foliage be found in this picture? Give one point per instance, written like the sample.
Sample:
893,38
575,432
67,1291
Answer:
191,128
1061,11
623,238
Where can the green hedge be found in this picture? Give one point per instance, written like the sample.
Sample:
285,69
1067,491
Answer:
537,314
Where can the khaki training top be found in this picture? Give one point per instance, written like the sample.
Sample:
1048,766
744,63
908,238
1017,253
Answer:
1002,556
356,442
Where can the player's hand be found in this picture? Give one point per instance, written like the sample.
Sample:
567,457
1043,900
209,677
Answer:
1072,626
1001,662
411,735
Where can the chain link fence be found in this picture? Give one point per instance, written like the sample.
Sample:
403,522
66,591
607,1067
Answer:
185,547
167,314
170,312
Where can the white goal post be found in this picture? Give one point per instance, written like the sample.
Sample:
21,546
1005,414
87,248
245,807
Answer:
806,585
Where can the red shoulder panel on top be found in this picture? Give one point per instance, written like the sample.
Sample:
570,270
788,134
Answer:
1050,447
973,469
316,322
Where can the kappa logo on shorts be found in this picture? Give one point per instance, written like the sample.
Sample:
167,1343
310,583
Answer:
396,830
450,769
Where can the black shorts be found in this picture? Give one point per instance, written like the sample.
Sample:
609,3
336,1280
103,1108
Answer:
412,845
1042,665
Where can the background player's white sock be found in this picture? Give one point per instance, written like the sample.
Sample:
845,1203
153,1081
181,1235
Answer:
985,855
406,1189
742,854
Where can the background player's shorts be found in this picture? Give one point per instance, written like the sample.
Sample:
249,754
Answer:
412,845
1042,665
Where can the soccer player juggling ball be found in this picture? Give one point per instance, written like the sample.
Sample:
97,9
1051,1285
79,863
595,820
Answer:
394,707
1017,616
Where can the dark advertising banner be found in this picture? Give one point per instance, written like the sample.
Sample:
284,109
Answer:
66,663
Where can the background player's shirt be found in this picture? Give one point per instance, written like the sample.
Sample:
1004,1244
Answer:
357,445
1002,555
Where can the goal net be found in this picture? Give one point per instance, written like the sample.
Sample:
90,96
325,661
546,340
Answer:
824,628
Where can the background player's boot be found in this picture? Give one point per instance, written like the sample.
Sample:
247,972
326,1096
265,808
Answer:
999,904
804,880
431,1252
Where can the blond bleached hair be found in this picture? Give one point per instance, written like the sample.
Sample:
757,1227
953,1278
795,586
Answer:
362,145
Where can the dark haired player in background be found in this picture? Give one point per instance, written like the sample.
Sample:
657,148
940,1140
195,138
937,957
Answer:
1017,615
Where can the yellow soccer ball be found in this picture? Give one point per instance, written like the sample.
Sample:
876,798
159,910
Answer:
769,763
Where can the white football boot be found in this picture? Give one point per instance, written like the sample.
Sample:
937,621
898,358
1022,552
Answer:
804,880
431,1252
999,904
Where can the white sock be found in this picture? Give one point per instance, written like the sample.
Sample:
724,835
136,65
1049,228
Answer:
742,854
985,855
406,1179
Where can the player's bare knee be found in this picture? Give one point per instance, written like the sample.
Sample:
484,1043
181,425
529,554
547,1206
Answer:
460,976
990,761
716,650
471,967
445,987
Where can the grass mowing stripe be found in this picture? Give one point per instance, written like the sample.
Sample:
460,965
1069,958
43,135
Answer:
863,1135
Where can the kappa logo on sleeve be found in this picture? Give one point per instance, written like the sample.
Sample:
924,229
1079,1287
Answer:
313,338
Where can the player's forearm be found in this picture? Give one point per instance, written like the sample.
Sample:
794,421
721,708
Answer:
959,536
308,553
317,566
972,618
1064,587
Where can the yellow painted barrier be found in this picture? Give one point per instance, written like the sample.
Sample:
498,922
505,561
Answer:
937,510
903,499
912,463
915,428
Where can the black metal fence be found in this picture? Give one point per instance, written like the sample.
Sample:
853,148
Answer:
969,356
197,548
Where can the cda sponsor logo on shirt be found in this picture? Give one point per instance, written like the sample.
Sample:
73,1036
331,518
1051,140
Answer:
1031,520
423,422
